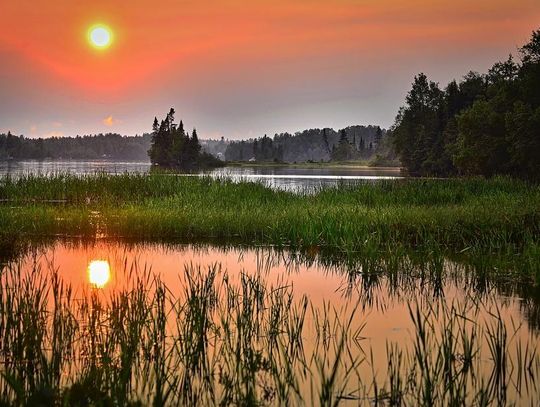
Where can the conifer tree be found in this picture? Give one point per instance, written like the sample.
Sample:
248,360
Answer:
172,147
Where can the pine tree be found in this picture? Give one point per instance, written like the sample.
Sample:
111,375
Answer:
325,140
378,135
157,149
342,136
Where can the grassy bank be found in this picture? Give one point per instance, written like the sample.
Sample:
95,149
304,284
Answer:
498,215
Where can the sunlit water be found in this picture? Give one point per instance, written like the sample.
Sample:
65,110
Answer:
381,302
285,178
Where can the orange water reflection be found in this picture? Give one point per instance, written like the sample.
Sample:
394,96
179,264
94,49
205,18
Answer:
385,308
382,308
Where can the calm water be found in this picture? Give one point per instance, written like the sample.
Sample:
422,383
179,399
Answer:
46,167
287,178
382,299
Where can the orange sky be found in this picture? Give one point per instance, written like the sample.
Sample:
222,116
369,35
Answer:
238,68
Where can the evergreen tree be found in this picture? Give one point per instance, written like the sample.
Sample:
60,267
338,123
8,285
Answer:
484,125
343,136
378,135
172,148
325,141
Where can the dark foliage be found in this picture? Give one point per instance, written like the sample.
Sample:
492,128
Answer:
100,146
487,124
313,145
173,147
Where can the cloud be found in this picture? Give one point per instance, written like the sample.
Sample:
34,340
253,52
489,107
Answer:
57,124
110,121
33,129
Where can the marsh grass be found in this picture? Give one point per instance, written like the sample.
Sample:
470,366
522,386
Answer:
489,215
226,341
214,343
245,342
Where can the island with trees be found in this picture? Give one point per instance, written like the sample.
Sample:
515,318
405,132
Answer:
172,147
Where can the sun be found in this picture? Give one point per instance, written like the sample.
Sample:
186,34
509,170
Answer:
99,273
100,36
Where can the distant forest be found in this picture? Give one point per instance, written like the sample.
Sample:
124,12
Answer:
102,146
315,145
486,124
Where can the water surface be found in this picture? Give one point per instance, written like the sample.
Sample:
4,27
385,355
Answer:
381,301
286,178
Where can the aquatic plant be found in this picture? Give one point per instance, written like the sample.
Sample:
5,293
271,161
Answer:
479,216
223,341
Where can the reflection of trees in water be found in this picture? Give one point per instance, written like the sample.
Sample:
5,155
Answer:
404,276
529,301
13,249
376,279
212,336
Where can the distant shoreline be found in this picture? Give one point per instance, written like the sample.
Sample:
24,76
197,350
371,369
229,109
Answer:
352,165
329,164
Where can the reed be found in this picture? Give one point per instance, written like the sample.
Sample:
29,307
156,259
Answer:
500,215
221,341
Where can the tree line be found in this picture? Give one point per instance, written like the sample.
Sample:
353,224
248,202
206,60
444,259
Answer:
485,124
100,146
313,145
173,147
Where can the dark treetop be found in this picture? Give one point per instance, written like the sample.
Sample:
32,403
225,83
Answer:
173,147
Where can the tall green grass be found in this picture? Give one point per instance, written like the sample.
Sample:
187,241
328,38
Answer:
498,215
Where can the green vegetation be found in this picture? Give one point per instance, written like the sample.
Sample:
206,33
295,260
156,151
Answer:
500,215
485,125
225,342
173,148
311,146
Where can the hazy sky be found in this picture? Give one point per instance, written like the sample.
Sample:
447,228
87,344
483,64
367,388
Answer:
239,68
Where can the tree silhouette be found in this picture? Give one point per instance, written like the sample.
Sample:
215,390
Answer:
484,125
172,148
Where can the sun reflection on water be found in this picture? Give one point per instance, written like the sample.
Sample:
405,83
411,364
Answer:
99,273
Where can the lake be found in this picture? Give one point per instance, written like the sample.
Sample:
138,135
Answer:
286,178
218,318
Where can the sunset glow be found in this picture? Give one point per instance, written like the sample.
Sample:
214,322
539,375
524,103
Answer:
228,66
